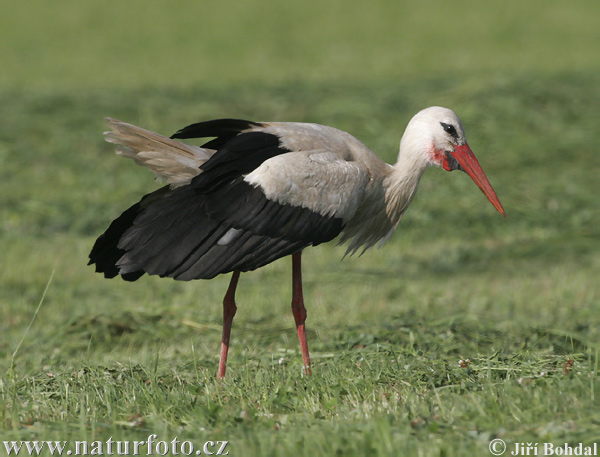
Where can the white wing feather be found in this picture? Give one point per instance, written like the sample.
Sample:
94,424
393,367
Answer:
318,180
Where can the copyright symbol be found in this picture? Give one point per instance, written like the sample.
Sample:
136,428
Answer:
497,446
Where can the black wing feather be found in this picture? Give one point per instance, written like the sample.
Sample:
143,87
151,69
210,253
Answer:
106,252
176,232
237,157
189,249
224,128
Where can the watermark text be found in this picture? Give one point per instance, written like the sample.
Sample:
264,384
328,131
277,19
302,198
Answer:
150,446
499,447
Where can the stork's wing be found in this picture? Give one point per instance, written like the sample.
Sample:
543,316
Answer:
254,201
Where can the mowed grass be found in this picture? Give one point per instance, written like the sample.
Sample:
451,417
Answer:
463,328
518,298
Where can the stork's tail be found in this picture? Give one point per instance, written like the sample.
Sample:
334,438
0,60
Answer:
178,163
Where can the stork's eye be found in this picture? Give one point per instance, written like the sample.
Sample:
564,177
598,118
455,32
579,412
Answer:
449,128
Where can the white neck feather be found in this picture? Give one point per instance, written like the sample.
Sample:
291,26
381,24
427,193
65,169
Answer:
403,178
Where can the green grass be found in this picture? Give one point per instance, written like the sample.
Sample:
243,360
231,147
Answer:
519,298
219,42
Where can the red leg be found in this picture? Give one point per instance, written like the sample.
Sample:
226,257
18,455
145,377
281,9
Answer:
229,310
298,308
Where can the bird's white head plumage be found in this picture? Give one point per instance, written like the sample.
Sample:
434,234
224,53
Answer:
436,137
430,133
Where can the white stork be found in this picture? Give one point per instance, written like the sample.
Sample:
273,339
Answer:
259,191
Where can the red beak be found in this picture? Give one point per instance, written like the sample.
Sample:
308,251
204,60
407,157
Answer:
465,157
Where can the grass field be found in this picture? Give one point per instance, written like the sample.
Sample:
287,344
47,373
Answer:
89,359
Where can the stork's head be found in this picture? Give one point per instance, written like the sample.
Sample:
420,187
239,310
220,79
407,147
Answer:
438,137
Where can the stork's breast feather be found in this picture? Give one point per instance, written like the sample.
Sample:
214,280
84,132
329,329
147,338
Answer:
317,180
